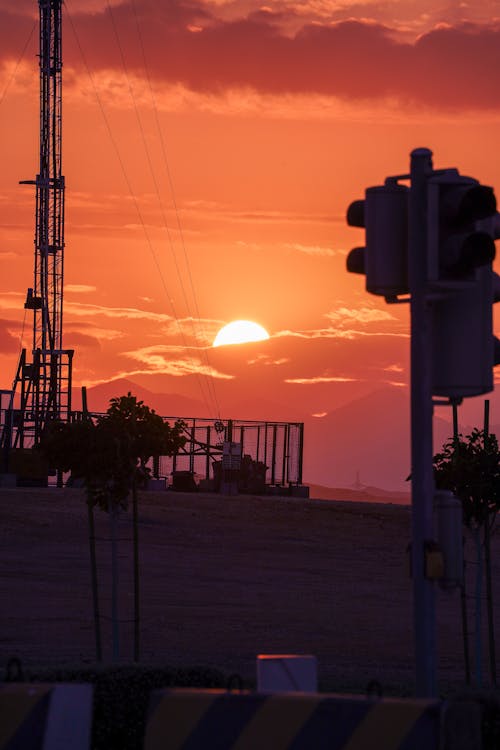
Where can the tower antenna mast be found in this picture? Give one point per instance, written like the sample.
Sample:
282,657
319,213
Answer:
45,382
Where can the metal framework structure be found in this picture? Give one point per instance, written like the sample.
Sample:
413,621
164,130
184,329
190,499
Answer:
43,384
278,445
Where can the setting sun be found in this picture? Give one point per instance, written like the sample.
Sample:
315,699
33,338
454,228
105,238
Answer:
240,332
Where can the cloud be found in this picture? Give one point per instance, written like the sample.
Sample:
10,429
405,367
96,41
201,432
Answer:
265,359
74,340
82,309
321,379
159,361
91,330
303,49
338,333
313,250
79,288
202,331
360,315
450,67
9,344
12,300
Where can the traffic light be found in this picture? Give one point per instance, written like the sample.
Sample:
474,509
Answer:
459,238
462,224
384,259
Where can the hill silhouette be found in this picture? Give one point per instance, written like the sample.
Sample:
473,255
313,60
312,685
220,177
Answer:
366,441
166,404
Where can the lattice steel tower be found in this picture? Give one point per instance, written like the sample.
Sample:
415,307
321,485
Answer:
45,382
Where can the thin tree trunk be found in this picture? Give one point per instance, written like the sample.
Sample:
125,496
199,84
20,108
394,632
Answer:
463,587
487,564
136,575
95,590
114,581
489,602
479,586
465,626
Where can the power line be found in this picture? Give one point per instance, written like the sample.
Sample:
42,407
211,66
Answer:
18,63
174,201
209,382
153,176
130,189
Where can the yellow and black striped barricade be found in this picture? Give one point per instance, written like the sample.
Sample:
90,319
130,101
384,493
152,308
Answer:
36,716
216,720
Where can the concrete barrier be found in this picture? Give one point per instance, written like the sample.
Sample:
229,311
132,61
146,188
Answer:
201,719
45,716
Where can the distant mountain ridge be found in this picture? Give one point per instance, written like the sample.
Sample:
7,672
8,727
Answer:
166,404
361,495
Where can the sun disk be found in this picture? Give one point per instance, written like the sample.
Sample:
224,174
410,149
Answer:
240,332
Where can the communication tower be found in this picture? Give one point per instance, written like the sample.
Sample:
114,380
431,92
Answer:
43,380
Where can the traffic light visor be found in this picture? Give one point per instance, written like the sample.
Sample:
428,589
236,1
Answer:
466,203
356,260
356,214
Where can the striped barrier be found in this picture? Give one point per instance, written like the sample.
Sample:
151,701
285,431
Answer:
45,716
201,719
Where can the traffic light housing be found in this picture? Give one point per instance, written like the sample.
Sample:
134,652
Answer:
464,349
458,239
462,224
455,258
384,258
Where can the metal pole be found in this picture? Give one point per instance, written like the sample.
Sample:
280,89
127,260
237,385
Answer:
455,424
487,561
421,427
207,462
285,455
486,417
463,587
301,452
192,448
273,459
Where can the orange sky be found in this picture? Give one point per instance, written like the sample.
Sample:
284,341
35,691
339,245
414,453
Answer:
210,151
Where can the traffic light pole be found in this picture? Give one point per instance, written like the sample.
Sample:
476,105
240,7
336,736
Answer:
436,236
421,426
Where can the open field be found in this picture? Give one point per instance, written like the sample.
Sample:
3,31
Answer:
223,579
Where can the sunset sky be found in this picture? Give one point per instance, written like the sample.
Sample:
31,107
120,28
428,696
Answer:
210,150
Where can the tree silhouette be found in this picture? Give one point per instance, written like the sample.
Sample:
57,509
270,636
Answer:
110,456
139,434
470,468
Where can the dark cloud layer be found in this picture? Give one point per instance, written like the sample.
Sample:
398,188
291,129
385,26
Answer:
446,68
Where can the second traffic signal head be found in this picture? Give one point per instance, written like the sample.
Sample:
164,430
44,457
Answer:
464,349
458,242
463,225
384,258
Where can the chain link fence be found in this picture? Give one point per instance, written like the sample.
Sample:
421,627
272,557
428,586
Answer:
278,446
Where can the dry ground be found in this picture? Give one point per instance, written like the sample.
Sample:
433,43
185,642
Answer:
223,579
